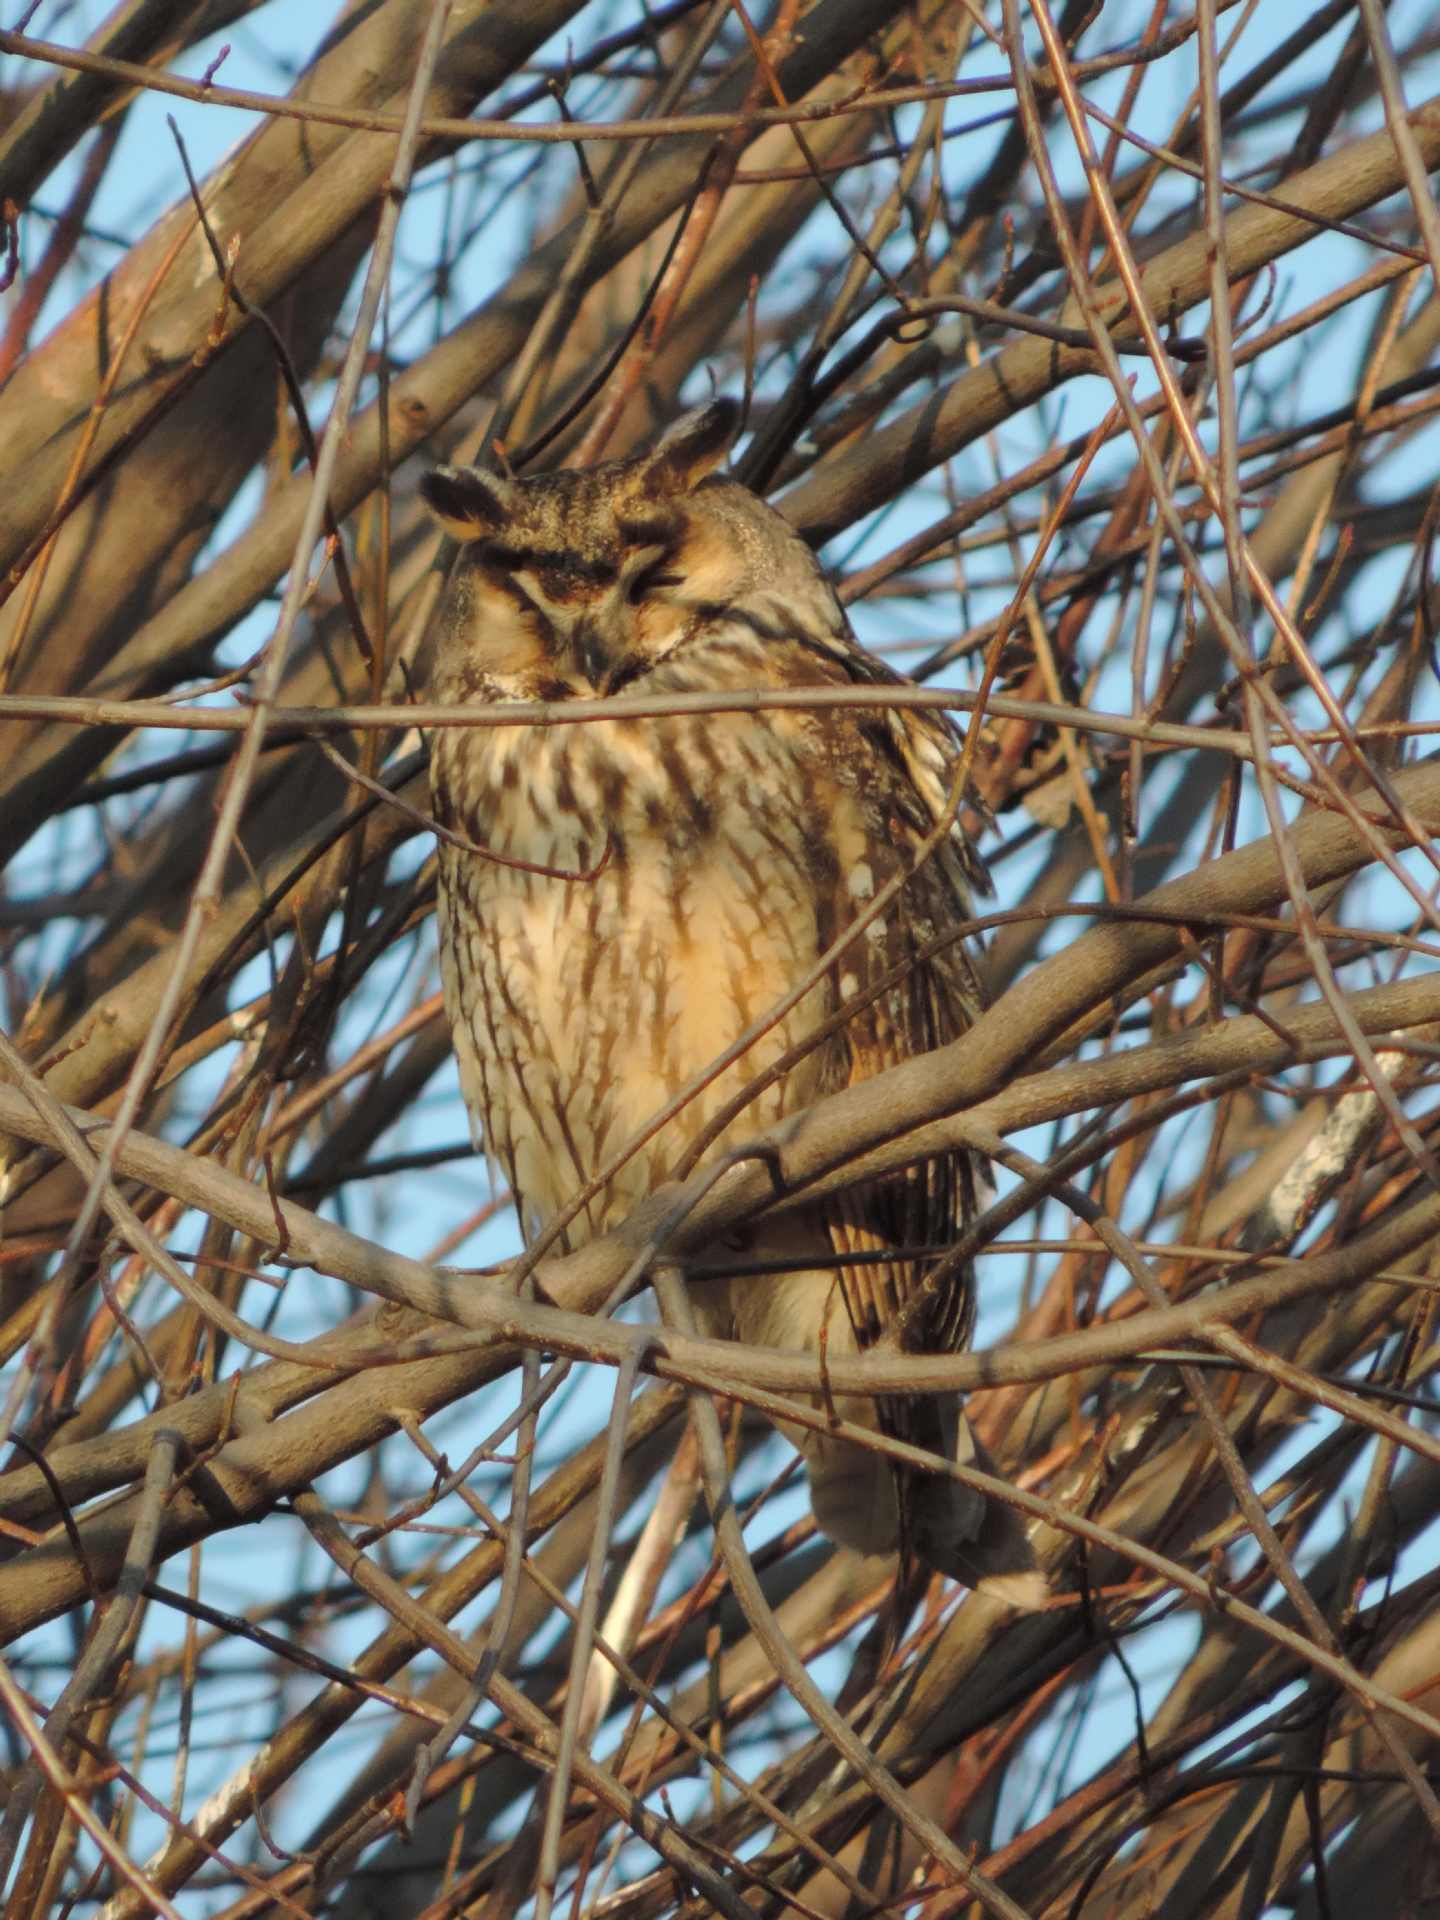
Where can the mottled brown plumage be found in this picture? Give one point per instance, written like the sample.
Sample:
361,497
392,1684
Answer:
720,855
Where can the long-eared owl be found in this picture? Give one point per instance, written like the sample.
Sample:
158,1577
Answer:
664,883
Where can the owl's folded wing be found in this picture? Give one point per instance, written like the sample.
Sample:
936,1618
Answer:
910,986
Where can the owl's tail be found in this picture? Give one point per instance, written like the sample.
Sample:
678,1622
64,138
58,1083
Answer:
953,1529
966,1535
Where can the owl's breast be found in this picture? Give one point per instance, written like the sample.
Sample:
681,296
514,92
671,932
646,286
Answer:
583,1006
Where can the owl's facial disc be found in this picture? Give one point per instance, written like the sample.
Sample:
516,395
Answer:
590,621
577,583
561,604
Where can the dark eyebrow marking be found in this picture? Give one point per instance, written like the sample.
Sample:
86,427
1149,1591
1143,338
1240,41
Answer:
498,553
655,532
562,562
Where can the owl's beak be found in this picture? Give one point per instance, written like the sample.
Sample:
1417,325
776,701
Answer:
593,655
601,653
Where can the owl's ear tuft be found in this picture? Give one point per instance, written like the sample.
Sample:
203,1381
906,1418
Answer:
467,503
693,447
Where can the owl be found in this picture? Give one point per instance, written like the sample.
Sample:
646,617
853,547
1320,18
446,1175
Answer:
638,893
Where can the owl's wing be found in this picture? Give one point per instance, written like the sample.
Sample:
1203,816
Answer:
916,966
910,978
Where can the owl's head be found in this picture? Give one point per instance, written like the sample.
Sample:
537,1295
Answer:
578,583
